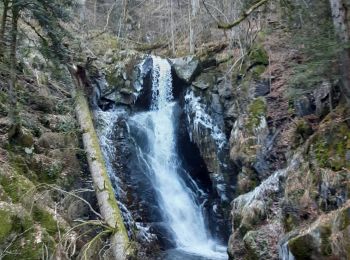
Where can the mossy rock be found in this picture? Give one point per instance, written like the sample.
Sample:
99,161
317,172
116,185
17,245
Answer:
256,111
46,169
247,180
45,219
57,140
257,71
42,103
343,219
20,235
258,245
16,186
258,55
301,246
24,138
332,146
33,244
303,130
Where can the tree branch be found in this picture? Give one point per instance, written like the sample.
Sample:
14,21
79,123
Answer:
243,16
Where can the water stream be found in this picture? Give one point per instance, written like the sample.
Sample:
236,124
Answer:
178,199
179,205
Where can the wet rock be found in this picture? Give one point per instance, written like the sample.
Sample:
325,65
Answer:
326,97
204,81
206,130
303,106
186,68
164,234
262,88
255,218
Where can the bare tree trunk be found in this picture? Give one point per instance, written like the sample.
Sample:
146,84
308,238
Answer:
12,93
194,7
103,188
339,15
172,27
95,12
3,27
192,46
125,10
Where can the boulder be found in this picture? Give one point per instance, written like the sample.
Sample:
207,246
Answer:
262,88
186,68
204,81
57,141
327,237
303,106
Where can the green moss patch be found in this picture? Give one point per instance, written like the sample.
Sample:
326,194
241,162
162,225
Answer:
46,220
331,147
258,55
301,246
16,186
257,109
6,224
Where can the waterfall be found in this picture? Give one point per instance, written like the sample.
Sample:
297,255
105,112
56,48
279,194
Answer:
178,203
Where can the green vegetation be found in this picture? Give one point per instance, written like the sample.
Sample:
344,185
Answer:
316,44
331,147
6,224
257,110
258,55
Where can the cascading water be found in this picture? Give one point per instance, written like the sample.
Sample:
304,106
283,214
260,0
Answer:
178,202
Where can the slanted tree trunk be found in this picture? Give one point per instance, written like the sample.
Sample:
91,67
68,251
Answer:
12,93
3,26
103,188
342,28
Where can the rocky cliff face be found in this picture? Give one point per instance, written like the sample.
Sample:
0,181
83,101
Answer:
292,157
285,161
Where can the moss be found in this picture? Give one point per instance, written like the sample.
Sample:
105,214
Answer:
112,201
45,219
301,247
331,146
16,186
6,224
252,246
344,218
105,42
326,247
289,222
51,173
303,129
26,244
302,132
257,109
257,71
28,247
258,55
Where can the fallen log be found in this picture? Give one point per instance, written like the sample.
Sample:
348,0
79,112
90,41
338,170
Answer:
107,201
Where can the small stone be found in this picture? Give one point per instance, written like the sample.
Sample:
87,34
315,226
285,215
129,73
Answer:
347,156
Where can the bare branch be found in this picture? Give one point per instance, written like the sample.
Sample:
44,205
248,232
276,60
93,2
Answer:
243,16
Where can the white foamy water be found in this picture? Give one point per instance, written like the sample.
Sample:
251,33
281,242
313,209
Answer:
178,204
